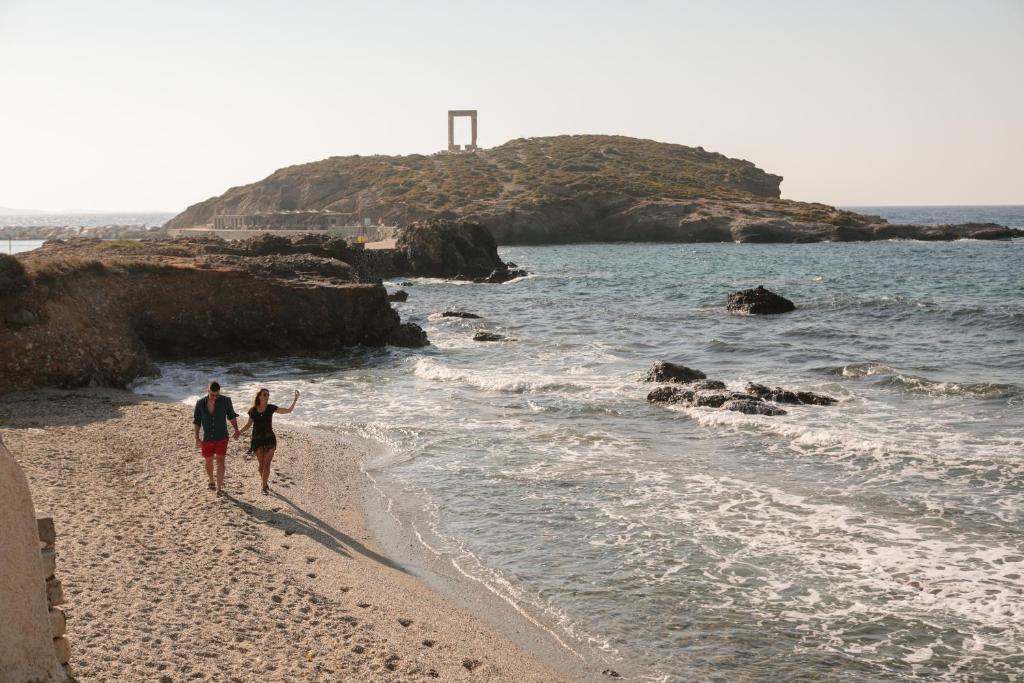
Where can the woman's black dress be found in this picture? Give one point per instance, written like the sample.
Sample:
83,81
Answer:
262,429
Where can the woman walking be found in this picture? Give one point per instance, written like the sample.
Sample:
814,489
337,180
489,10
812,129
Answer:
264,442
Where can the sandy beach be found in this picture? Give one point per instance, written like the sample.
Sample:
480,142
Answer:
167,582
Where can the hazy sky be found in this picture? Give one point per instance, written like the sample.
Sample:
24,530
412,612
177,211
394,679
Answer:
158,105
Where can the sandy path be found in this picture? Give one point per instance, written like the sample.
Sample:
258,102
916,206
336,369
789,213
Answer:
166,582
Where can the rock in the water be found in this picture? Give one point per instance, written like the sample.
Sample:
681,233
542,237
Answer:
663,371
670,395
400,295
707,385
696,398
780,395
408,334
758,301
992,232
459,314
488,336
450,249
715,399
752,406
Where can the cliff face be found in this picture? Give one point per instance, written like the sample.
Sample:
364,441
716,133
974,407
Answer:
98,313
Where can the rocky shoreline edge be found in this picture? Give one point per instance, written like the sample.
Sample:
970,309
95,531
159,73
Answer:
87,312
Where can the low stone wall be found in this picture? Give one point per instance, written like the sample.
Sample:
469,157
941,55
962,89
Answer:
54,591
29,648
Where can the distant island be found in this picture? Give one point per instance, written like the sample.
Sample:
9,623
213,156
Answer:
7,211
568,189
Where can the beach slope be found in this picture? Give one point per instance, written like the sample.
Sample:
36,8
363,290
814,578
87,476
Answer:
167,582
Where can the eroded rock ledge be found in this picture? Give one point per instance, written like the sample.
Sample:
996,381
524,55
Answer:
86,312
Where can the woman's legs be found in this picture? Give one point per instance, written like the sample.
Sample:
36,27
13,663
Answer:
261,456
268,457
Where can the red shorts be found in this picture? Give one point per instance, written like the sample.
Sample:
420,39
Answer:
212,448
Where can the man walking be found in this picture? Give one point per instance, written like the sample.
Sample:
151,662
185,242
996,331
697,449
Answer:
212,413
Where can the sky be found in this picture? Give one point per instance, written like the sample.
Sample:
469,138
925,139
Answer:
158,105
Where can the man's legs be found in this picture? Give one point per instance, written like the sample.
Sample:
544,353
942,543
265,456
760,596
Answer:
208,462
220,471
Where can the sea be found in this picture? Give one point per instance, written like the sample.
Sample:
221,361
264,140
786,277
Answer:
877,539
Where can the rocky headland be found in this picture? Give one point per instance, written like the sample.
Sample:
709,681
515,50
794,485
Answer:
87,312
570,189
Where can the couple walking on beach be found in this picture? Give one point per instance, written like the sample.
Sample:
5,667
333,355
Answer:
212,414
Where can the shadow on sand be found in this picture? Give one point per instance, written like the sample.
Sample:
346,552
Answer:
302,522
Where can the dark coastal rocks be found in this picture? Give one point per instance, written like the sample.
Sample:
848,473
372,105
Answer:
297,265
663,371
752,406
21,317
714,399
484,336
408,335
759,301
450,249
670,395
460,314
707,385
991,231
780,395
400,295
723,400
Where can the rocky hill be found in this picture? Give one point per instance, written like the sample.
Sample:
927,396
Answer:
570,188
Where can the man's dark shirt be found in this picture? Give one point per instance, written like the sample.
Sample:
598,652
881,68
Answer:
215,426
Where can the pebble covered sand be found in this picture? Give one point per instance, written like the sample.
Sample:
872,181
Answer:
167,582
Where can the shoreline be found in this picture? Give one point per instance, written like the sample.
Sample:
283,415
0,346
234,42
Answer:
167,582
439,571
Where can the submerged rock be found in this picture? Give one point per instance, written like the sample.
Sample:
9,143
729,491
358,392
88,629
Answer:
670,395
663,371
780,395
752,406
759,301
715,399
484,336
707,385
459,314
400,295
